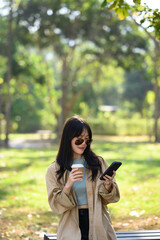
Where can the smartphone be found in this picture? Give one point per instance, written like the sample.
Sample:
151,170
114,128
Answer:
109,171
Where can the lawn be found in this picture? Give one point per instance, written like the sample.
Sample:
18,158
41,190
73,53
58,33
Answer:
24,210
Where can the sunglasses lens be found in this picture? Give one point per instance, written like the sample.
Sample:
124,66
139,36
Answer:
79,141
88,141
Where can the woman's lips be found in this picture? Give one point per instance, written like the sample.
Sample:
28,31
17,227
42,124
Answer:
81,148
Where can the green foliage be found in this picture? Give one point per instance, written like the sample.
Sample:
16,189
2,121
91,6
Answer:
122,9
29,98
89,50
150,16
3,65
29,63
148,109
109,88
123,127
150,98
122,13
74,30
135,88
104,3
30,109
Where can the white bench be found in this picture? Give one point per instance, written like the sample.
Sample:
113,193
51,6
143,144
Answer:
123,235
138,235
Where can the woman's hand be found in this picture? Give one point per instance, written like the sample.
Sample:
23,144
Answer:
74,176
108,181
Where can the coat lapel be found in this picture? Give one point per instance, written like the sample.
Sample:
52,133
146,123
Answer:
89,185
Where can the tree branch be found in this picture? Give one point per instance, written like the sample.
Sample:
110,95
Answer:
148,33
82,90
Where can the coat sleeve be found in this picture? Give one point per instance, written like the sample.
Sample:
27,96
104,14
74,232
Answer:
58,200
108,197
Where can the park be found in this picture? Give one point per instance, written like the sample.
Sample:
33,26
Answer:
25,213
96,59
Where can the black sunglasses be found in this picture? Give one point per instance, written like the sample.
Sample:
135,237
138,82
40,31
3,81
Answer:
79,141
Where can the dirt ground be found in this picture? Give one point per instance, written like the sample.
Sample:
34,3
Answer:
148,223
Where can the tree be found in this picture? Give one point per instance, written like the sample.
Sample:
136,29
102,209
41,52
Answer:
30,98
148,15
81,35
155,55
135,88
150,19
9,72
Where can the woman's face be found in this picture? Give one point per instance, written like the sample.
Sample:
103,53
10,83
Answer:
79,149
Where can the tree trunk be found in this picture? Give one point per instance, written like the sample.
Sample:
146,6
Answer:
8,78
52,105
69,106
64,89
0,114
156,90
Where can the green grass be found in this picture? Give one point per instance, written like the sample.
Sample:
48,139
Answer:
24,210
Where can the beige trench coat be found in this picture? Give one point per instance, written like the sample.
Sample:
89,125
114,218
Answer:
100,226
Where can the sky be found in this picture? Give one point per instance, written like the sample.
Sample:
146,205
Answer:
150,3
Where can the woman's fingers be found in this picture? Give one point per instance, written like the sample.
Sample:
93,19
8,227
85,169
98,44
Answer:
76,175
114,174
110,178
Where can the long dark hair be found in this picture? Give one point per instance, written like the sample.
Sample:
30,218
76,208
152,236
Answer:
73,128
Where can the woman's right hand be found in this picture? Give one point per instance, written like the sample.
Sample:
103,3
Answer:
74,176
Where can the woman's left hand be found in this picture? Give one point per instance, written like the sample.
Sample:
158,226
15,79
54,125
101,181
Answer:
108,181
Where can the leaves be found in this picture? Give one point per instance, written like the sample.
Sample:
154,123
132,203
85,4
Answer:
122,13
1,80
104,4
142,21
113,6
136,213
122,10
137,1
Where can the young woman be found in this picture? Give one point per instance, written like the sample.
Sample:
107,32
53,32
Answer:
80,198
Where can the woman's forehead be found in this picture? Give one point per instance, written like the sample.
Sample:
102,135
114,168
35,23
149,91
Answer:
84,133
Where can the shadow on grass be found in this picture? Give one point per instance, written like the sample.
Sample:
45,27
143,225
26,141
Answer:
144,170
18,167
22,166
12,186
108,145
3,194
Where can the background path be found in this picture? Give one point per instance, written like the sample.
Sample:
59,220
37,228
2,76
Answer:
23,143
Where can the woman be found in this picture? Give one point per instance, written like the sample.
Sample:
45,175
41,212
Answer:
81,198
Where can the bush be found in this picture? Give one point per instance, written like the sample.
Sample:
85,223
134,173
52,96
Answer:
123,127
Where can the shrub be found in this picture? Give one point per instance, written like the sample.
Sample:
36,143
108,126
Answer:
123,127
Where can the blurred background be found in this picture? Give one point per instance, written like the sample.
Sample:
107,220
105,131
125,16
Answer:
62,58
97,59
